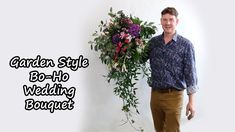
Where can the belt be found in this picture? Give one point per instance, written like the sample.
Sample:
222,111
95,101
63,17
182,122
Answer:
167,90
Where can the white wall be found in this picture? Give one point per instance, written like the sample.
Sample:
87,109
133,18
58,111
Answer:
53,28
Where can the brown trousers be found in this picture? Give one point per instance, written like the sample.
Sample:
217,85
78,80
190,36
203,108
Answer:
166,110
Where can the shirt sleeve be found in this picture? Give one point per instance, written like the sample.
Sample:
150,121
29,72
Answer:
190,70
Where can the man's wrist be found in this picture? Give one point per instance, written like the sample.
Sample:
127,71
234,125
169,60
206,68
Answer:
190,98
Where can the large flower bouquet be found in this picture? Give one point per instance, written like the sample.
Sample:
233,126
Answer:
123,42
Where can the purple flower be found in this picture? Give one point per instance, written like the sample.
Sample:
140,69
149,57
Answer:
116,38
134,30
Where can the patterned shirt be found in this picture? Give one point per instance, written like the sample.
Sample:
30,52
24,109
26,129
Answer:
173,64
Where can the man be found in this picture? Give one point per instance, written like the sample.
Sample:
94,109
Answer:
172,63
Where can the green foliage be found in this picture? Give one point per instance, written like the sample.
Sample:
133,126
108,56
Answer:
123,43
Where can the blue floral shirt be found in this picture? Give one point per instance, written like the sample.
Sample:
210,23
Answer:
173,64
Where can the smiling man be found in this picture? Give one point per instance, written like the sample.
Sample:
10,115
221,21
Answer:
172,62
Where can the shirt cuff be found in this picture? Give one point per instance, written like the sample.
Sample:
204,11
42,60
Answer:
192,90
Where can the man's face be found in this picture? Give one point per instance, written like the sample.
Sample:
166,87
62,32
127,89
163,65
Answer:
169,23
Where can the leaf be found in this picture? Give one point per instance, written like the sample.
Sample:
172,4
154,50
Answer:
151,23
111,9
96,47
132,121
120,12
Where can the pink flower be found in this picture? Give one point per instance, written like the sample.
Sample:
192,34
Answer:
139,41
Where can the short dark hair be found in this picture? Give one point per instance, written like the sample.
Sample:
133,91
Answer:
170,10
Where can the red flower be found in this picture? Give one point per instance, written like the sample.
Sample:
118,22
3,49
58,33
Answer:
118,48
127,41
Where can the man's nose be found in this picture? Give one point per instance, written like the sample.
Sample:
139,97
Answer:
168,22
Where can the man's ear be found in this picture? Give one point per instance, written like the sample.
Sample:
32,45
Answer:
177,21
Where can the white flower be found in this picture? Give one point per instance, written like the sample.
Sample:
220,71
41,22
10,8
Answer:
115,66
107,57
124,68
139,50
129,38
109,66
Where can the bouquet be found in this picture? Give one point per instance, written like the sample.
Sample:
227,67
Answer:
123,43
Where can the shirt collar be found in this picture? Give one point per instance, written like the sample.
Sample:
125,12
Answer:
174,37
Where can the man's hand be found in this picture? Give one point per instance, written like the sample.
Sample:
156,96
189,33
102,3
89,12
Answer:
190,110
